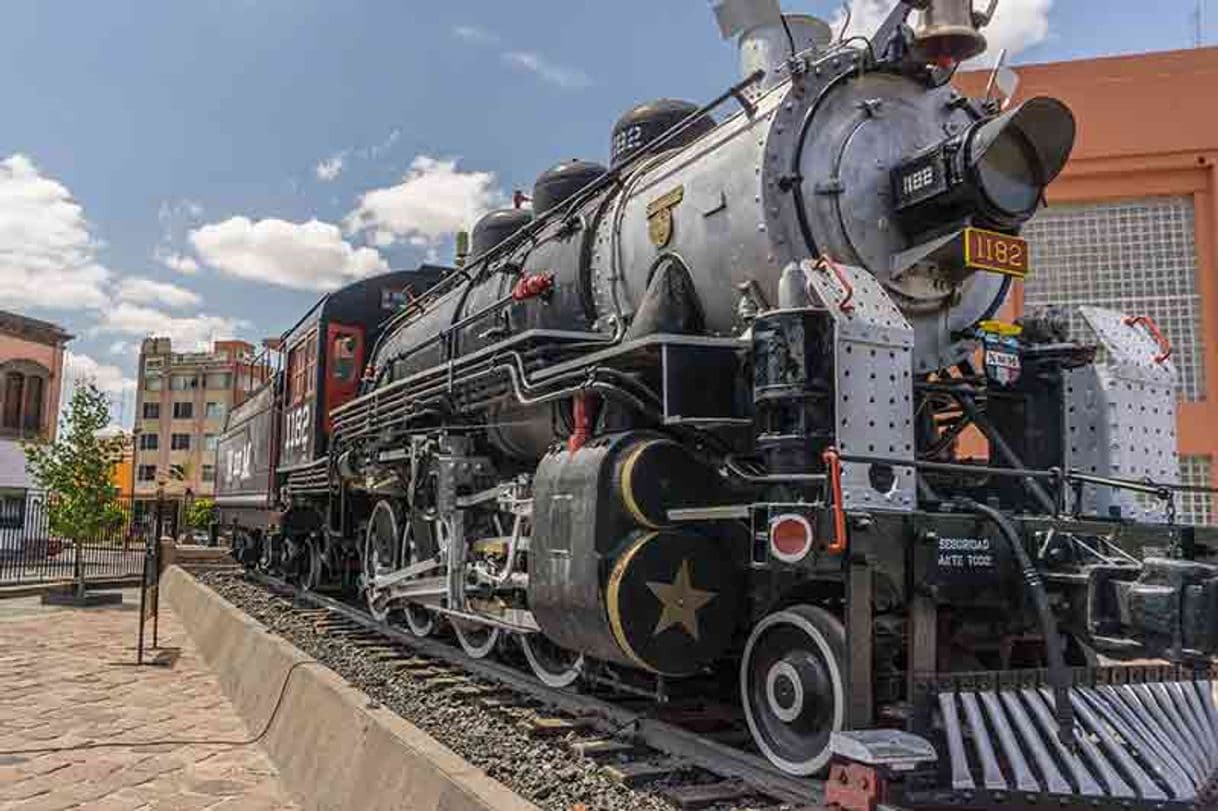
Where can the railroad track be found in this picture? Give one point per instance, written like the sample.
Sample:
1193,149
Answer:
633,746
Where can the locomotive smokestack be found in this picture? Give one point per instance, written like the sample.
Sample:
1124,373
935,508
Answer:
767,36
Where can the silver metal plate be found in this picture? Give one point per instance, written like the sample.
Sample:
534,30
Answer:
1121,417
874,366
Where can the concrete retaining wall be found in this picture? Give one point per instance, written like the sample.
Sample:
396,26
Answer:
332,750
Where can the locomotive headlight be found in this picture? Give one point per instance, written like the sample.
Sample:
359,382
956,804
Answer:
994,174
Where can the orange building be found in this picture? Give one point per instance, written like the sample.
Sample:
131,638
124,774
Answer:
1132,222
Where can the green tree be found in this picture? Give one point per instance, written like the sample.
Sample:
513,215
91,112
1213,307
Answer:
76,469
199,514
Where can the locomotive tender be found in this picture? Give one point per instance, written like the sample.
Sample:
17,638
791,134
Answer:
696,416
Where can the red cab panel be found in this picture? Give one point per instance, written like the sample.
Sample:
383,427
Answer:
344,363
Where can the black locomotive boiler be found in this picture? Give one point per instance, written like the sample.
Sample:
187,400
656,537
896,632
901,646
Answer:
696,415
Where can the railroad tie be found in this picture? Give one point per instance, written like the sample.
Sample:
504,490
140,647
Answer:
633,774
706,794
598,748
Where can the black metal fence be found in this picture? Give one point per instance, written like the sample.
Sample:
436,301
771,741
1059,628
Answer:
30,552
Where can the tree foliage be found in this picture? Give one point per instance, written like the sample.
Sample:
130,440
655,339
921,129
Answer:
199,514
76,469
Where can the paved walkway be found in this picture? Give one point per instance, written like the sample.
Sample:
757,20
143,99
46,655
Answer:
67,677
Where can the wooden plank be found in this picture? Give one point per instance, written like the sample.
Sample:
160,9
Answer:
550,727
602,747
447,681
706,794
633,774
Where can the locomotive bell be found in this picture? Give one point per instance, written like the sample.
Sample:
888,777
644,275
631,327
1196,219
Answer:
948,33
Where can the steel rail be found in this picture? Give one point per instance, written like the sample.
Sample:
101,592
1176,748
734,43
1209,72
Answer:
672,740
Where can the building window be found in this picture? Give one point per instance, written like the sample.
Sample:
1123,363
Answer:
220,381
183,382
149,442
22,405
1137,256
183,411
215,411
179,442
209,473
146,473
152,411
33,404
14,389
210,441
1196,508
153,383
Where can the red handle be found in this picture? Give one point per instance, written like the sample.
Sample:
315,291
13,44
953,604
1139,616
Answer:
1160,338
826,261
833,463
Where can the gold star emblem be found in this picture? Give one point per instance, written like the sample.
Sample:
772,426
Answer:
681,602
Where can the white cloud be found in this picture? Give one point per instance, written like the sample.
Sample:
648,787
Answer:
474,34
120,348
110,379
545,69
177,262
1017,24
187,332
106,376
146,291
45,243
433,199
331,167
174,212
309,256
530,61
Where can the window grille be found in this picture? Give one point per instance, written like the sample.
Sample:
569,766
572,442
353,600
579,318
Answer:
1195,508
1138,256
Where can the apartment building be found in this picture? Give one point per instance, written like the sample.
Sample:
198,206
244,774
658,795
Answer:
182,401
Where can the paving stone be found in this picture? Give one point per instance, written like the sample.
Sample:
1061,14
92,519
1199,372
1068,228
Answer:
74,681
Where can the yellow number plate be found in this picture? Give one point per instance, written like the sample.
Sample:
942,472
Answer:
995,252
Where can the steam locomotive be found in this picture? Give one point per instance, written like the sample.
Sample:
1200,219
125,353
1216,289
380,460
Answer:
699,413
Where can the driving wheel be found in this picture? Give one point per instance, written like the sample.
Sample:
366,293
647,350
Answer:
792,687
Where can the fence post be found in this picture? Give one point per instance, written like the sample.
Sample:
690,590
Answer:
156,565
78,569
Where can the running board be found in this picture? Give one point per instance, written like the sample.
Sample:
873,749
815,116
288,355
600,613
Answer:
1144,745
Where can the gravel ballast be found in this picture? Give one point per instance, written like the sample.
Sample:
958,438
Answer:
544,771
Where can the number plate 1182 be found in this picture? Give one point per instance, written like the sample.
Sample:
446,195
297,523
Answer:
995,252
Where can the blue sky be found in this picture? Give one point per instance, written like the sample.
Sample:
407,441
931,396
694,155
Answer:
164,163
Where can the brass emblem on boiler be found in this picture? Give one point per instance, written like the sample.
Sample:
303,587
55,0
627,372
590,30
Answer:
659,216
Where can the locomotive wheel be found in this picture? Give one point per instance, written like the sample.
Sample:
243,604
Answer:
478,641
266,555
792,687
380,556
312,567
553,666
419,620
